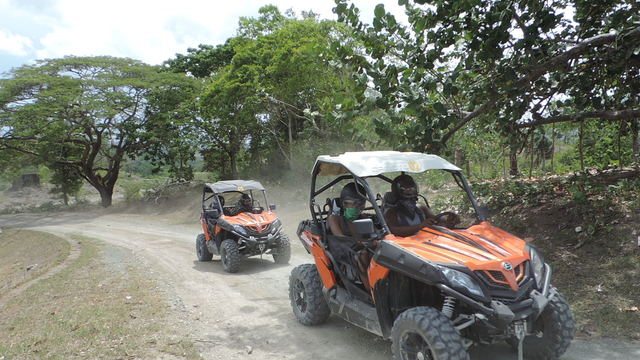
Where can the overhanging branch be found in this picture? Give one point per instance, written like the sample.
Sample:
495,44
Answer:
611,115
536,71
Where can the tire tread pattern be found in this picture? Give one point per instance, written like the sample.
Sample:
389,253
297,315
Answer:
446,343
283,251
317,308
230,255
201,249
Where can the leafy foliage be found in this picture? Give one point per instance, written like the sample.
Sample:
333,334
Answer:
85,113
513,64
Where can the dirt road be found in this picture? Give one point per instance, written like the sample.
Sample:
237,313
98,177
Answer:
233,315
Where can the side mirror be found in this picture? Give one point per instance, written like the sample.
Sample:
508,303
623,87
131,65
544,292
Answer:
483,213
212,213
272,207
363,226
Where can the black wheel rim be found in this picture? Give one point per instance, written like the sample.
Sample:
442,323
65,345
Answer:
414,347
300,296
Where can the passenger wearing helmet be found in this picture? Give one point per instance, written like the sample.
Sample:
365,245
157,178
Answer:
352,198
407,217
245,204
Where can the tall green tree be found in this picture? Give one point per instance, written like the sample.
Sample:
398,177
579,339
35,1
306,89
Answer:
512,64
86,113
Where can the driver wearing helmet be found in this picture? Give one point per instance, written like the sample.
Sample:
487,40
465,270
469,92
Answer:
245,204
407,217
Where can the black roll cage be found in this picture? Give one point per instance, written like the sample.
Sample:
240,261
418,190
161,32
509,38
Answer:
208,190
459,178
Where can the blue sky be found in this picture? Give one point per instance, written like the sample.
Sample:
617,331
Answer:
150,31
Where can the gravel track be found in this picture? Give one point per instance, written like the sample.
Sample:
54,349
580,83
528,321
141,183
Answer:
232,315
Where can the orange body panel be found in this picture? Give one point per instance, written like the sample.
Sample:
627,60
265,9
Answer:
257,222
205,229
322,260
376,272
479,247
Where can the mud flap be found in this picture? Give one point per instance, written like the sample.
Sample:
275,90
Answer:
355,311
213,247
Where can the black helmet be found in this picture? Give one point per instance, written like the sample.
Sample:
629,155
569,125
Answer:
353,192
404,187
245,200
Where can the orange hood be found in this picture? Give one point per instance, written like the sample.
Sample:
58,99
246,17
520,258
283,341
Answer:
479,247
257,222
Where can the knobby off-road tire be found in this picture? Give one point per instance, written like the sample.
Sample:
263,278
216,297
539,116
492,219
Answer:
230,255
424,333
305,293
282,253
553,331
201,249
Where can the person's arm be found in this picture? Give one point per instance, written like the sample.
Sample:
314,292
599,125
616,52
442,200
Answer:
334,225
403,231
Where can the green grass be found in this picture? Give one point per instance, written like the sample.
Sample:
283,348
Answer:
20,249
101,306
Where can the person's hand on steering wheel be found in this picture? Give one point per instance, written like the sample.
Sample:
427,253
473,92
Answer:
452,219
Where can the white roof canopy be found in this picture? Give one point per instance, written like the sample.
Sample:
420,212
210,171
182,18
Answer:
371,163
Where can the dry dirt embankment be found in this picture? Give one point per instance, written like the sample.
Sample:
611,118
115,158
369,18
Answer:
234,316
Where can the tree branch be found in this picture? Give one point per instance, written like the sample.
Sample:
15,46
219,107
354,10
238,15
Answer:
604,114
537,71
313,122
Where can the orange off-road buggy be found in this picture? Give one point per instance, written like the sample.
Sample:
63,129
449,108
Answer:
233,236
436,293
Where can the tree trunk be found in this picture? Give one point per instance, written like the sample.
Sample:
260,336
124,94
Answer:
531,155
634,141
553,148
290,140
513,159
106,196
580,146
620,161
65,198
234,164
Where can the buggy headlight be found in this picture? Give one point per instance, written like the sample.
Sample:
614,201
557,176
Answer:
275,226
460,280
537,265
239,229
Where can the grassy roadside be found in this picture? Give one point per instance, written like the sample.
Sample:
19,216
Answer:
101,306
26,254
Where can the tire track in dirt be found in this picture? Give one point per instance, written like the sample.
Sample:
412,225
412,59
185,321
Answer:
75,249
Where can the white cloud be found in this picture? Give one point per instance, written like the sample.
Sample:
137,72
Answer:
151,31
16,45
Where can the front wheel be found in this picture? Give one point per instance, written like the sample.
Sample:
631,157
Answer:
305,294
230,255
201,249
424,333
553,331
282,253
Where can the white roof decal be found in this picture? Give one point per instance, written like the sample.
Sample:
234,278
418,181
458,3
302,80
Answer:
371,163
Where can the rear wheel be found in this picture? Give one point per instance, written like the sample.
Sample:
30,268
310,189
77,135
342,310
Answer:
553,331
230,255
282,253
201,249
305,293
424,333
